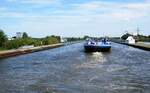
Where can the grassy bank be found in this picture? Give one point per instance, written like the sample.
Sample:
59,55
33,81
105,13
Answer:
15,52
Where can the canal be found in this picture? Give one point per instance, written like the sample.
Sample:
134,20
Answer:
69,69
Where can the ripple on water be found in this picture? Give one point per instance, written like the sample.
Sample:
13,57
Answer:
69,70
121,87
115,67
93,60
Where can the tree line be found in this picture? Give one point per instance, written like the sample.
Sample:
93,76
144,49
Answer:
15,42
137,38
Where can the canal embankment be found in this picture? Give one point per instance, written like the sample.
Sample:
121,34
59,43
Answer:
21,51
15,52
74,42
140,45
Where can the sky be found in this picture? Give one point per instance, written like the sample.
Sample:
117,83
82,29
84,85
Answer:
74,18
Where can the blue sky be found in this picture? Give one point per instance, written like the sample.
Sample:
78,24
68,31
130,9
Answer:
40,18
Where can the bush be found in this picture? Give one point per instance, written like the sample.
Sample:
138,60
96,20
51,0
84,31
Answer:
13,44
16,43
37,42
25,40
3,38
50,40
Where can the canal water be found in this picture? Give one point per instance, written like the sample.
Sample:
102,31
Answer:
69,69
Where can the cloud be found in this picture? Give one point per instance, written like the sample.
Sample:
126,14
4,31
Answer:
3,9
122,11
137,6
37,3
128,16
12,14
147,1
76,19
64,26
9,14
6,13
132,11
34,1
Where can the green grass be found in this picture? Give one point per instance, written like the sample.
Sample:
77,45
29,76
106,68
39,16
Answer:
2,49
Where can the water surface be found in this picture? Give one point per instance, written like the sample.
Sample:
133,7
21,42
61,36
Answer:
69,69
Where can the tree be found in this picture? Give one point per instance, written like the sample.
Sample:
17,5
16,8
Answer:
125,36
86,37
57,37
25,35
3,38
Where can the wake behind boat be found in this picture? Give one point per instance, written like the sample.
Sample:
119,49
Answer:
97,46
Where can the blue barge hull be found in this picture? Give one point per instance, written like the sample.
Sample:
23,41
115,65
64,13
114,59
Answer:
89,48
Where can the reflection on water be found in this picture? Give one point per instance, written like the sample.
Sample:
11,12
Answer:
98,57
70,70
92,60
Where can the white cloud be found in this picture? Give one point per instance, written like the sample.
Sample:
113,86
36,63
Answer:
79,19
6,13
12,14
122,11
137,6
147,1
64,26
34,1
90,6
37,3
128,16
3,9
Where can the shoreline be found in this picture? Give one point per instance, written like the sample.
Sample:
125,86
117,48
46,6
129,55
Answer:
16,52
139,45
